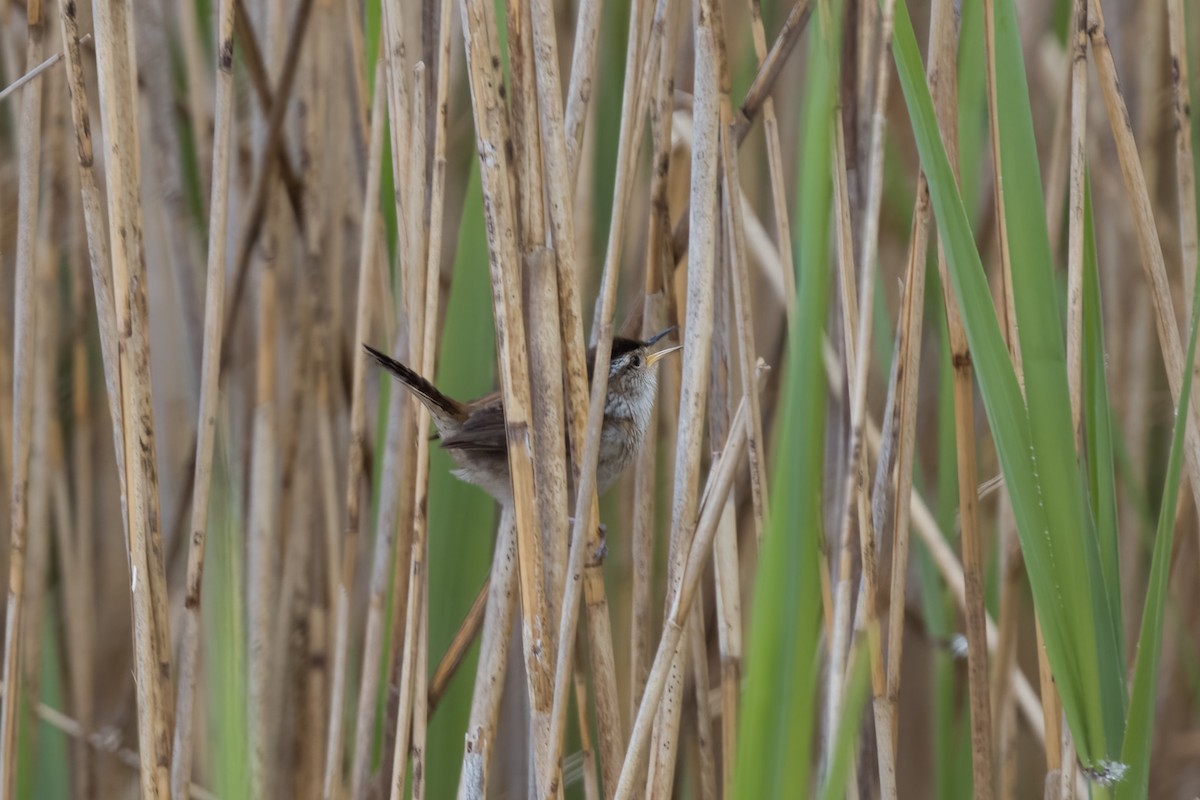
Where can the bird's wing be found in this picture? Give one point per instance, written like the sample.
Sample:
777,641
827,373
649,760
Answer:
482,432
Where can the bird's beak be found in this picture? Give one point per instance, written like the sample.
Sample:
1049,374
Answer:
654,358
654,339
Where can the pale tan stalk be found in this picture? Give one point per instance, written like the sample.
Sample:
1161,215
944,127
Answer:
727,576
720,482
412,705
103,744
1184,165
842,644
698,332
368,262
908,359
491,128
32,74
1149,245
583,72
464,637
541,165
118,107
209,383
591,786
79,583
24,367
756,96
493,658
783,234
698,658
585,437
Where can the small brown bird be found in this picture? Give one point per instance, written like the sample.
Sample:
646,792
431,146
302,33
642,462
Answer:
474,432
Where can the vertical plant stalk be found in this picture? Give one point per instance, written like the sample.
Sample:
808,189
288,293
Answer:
1153,263
24,368
1185,174
585,436
583,71
698,332
412,702
491,127
118,113
368,262
783,233
720,482
209,387
493,658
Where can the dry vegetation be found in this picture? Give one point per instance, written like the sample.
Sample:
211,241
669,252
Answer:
915,516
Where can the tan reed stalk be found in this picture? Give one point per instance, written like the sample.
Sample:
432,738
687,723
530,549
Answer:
585,437
491,127
1185,175
368,262
79,582
740,279
756,96
849,606
704,738
118,106
583,71
256,70
698,331
24,366
540,172
31,75
102,744
783,234
591,785
720,481
493,658
1010,567
412,692
941,75
1149,246
431,286
273,141
464,637
209,385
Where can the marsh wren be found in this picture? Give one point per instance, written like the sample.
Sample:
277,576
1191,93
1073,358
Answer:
474,434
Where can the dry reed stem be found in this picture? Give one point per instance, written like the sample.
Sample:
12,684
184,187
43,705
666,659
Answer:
698,332
24,365
103,743
492,136
33,73
703,732
1184,165
256,70
118,106
756,96
585,435
783,234
209,388
591,785
583,71
420,507
537,106
851,612
412,703
464,637
907,377
720,482
1149,245
368,262
493,658
727,572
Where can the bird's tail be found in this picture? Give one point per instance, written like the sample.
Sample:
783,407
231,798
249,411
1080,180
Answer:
439,405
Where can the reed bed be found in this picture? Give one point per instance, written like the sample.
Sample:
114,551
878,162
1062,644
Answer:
916,512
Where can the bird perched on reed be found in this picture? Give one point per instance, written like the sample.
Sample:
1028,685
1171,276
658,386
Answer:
474,435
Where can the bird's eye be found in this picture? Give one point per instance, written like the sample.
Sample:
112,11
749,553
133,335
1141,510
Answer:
635,361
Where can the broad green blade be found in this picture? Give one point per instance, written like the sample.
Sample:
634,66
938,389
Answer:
782,655
1034,445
